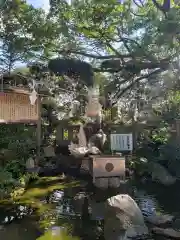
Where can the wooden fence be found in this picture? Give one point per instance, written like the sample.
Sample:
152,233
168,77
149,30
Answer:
16,108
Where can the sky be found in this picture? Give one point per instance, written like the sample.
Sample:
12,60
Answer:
40,3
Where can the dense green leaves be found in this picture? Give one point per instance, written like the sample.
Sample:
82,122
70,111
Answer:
127,32
25,33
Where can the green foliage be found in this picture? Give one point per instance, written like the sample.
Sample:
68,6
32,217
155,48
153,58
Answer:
170,151
171,110
18,138
23,29
132,35
5,178
166,149
16,142
161,134
7,183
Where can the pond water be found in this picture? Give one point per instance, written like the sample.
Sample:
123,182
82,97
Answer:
53,207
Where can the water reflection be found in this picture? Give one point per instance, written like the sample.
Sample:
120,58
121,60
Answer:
15,212
73,210
57,233
163,199
147,203
43,207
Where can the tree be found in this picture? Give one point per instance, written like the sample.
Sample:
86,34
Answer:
25,33
130,43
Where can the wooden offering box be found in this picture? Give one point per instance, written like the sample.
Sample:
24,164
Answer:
107,166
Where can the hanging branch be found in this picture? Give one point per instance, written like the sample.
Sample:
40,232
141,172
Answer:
164,8
120,94
93,55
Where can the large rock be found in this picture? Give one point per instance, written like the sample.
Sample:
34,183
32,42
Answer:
123,218
167,232
159,219
160,174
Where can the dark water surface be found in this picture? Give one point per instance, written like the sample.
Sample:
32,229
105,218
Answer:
54,207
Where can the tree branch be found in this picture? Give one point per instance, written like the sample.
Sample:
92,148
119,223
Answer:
137,4
92,55
165,7
135,66
136,81
125,40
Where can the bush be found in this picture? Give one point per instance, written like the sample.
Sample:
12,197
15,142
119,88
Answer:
163,146
16,144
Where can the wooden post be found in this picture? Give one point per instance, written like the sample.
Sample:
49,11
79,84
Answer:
38,130
134,132
177,127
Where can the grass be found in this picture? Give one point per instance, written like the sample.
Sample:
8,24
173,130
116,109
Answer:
42,187
38,192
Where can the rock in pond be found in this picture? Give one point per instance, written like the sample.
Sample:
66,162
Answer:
167,232
159,219
123,218
78,201
160,174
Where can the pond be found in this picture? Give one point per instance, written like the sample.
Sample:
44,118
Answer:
54,206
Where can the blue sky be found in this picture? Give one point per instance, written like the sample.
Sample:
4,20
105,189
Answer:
39,3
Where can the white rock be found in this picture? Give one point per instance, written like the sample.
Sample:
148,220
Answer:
77,151
30,163
94,150
123,218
